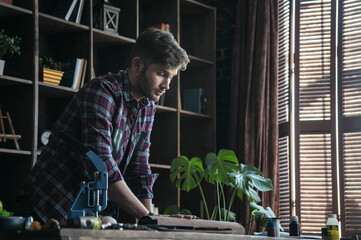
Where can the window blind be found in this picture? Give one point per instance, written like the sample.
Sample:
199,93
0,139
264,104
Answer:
352,182
285,195
283,61
314,59
350,62
315,181
351,57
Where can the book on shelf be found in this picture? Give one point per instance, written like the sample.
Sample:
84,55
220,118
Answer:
80,11
77,73
194,100
83,74
70,10
74,73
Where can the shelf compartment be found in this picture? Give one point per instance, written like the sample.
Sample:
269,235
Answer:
7,10
165,13
19,108
50,108
19,66
106,58
202,78
69,43
127,24
197,20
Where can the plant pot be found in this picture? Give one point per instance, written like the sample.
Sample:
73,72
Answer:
52,76
2,65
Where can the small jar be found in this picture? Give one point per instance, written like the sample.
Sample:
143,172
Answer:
294,226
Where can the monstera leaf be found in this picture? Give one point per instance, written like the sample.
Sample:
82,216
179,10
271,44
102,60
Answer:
247,179
219,167
191,172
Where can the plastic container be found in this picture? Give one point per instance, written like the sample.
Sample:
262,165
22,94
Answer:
294,226
332,227
277,222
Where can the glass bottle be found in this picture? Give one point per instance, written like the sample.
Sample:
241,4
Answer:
332,227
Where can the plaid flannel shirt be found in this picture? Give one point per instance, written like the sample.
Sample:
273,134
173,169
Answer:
101,106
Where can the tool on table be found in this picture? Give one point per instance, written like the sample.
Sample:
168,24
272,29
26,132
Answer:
92,196
84,222
167,223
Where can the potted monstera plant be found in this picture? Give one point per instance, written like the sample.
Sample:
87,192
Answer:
223,170
8,47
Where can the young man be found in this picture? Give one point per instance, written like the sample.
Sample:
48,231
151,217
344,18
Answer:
113,116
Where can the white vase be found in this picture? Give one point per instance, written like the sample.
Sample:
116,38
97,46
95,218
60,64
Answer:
2,65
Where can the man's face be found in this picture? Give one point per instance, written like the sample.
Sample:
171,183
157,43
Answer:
154,81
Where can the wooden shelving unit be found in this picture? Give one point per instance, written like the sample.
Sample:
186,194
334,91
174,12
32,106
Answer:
35,106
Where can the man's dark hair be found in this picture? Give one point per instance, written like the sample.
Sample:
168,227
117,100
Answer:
156,46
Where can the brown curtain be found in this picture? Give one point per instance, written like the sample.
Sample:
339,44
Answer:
253,109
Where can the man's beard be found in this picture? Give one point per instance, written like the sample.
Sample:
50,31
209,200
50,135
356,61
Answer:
144,86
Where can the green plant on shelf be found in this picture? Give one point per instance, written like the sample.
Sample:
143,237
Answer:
49,62
9,45
224,171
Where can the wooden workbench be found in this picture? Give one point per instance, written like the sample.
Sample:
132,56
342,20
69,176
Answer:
85,234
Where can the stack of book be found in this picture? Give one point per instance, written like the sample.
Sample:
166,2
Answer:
74,73
52,76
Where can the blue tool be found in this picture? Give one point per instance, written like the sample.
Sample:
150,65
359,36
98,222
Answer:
92,196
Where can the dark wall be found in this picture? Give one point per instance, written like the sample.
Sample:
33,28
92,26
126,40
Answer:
226,13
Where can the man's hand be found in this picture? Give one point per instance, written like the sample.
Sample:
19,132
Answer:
120,193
